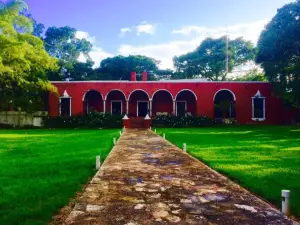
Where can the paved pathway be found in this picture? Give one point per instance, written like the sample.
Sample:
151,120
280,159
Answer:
147,180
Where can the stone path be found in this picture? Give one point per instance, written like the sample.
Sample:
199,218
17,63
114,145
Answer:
147,180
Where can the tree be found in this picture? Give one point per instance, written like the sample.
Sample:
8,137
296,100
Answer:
23,60
209,59
279,52
62,44
120,67
253,75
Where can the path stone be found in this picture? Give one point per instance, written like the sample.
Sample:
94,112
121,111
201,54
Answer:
146,180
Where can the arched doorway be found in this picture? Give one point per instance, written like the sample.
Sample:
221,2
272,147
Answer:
186,103
224,104
116,102
138,103
162,103
92,102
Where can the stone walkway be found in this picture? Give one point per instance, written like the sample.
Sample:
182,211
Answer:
147,180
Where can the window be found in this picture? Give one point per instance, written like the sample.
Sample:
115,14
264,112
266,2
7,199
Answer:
258,107
65,105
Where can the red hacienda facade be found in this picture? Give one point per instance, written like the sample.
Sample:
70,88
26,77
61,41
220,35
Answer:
247,102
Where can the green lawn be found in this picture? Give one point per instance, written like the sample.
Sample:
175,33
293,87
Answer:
42,169
264,159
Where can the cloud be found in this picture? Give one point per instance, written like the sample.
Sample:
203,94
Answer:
143,27
166,51
250,31
97,54
146,28
124,30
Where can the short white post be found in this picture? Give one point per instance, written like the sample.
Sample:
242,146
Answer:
120,132
124,128
115,141
164,136
154,130
150,128
285,202
98,163
184,147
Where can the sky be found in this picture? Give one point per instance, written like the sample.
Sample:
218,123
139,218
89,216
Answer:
160,29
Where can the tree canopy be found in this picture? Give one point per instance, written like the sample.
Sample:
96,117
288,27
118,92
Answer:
61,43
279,52
23,59
120,67
209,59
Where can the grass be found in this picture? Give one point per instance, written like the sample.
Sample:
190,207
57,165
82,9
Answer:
42,169
264,159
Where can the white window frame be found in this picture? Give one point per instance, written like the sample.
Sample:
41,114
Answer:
185,107
137,106
116,101
70,104
259,96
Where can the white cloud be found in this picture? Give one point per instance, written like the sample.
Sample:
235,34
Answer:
250,31
146,28
97,54
124,30
166,51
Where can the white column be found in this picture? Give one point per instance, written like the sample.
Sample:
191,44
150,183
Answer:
104,106
174,107
127,107
150,108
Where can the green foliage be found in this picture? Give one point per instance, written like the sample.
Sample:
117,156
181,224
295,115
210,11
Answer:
176,121
263,159
279,52
92,120
23,60
209,59
62,44
120,67
41,170
253,75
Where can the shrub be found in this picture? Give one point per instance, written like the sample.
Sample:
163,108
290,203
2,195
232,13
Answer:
92,120
177,121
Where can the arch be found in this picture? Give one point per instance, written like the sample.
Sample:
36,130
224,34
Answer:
138,90
93,101
162,90
186,90
113,91
83,97
234,98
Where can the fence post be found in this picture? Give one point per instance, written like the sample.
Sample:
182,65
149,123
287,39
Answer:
98,163
114,141
184,147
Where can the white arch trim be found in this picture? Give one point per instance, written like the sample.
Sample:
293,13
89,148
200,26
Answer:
115,90
186,90
162,90
83,97
138,90
234,98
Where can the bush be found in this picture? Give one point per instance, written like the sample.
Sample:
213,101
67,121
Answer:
92,120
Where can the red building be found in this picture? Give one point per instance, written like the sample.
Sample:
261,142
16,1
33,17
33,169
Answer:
248,102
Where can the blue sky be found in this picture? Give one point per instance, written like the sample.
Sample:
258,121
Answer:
156,28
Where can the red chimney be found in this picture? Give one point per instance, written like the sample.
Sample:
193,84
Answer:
133,76
144,76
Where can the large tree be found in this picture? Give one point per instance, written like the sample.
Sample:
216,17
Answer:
209,59
61,42
279,52
23,60
120,67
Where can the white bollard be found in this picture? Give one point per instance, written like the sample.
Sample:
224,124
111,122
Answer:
154,130
120,132
285,202
164,136
115,141
98,163
184,147
124,128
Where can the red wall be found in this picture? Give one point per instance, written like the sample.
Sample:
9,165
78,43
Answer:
204,92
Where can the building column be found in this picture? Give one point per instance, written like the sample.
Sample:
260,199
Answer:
104,106
174,107
127,107
150,108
